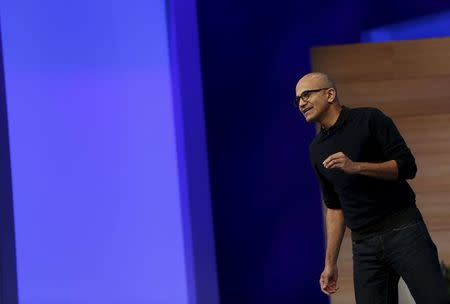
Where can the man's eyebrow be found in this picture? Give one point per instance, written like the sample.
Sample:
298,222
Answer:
305,91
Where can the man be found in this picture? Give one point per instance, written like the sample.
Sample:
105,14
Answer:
362,164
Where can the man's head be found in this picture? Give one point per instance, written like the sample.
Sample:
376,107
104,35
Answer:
315,94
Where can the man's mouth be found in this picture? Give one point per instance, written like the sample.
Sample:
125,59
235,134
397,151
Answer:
304,112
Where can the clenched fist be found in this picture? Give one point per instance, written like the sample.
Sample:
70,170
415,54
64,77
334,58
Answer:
328,280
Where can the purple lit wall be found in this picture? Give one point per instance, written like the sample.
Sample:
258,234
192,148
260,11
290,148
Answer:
102,214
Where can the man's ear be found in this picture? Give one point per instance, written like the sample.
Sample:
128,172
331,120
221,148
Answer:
331,95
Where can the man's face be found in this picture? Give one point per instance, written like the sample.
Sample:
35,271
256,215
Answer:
313,98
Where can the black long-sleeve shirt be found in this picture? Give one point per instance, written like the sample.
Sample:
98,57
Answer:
369,204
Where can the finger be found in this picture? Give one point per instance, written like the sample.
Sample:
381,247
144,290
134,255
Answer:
325,291
321,283
336,156
332,287
328,162
325,281
335,164
332,290
330,157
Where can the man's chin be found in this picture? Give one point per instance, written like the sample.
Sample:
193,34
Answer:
309,118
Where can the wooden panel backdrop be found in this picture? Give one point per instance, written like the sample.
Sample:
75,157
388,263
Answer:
410,82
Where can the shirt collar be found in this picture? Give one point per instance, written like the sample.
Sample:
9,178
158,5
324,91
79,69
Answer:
342,118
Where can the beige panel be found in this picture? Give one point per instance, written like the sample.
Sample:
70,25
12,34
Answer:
422,58
350,62
384,61
345,294
410,82
399,98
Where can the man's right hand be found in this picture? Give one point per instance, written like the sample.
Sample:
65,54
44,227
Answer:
328,280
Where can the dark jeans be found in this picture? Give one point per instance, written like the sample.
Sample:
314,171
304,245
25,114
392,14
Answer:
408,252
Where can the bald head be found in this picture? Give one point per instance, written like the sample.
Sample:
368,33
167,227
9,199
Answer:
316,80
316,98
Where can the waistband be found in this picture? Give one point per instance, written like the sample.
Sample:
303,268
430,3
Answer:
390,222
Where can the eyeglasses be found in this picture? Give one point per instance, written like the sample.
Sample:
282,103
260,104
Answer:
306,94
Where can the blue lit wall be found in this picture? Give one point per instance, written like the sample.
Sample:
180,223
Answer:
430,26
97,199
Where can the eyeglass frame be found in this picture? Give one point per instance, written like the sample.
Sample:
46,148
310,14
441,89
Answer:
306,94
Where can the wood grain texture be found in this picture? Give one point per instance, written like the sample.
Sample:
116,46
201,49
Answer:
410,82
384,61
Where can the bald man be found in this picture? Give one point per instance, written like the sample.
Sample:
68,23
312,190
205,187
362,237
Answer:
362,163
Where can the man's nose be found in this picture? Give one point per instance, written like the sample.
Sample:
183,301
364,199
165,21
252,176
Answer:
302,103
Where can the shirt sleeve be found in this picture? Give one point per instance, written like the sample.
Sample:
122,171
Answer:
330,197
393,145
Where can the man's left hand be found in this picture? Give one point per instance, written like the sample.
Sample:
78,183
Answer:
342,162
